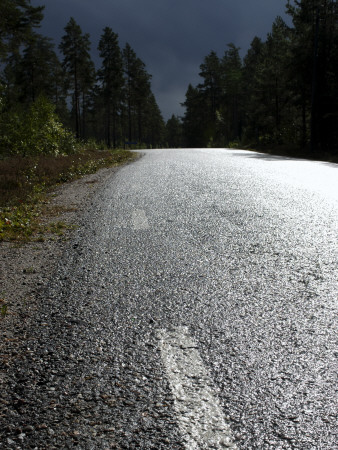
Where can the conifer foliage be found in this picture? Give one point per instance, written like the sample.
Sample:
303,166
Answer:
111,83
79,70
284,92
18,18
113,103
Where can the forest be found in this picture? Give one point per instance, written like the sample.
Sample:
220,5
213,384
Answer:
51,100
282,95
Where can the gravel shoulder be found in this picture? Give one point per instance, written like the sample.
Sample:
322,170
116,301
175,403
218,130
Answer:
25,269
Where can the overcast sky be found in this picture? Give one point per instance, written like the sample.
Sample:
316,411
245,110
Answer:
172,37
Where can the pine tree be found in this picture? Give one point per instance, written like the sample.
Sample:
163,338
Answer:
232,73
9,81
152,123
214,109
111,81
37,72
79,68
195,118
129,64
315,70
87,81
211,88
268,101
137,93
18,18
174,132
253,92
143,96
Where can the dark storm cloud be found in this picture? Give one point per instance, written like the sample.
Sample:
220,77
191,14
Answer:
172,37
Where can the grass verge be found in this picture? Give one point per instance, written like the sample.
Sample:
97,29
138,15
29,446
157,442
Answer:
24,183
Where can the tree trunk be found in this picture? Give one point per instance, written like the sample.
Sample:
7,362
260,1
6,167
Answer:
76,105
108,125
314,88
114,126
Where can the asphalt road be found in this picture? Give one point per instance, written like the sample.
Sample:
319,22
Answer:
196,308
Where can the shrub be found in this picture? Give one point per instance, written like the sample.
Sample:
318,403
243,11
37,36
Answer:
37,131
234,144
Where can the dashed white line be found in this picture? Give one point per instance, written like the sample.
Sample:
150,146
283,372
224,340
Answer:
139,220
200,417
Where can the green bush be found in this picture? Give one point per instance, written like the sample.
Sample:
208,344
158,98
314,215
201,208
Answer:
91,144
234,144
37,131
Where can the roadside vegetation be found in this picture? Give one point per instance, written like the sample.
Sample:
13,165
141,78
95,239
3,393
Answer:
60,116
25,182
36,153
113,102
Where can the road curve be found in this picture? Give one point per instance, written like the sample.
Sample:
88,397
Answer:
196,307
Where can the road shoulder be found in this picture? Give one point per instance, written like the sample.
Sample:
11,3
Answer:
26,268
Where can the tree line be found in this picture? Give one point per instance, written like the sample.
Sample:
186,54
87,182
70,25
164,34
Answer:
284,92
113,103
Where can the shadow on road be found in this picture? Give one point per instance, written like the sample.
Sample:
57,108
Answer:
269,157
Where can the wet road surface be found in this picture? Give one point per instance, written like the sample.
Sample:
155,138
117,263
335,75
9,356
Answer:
195,308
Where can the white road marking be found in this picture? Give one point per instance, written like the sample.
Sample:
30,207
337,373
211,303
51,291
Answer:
139,220
200,417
